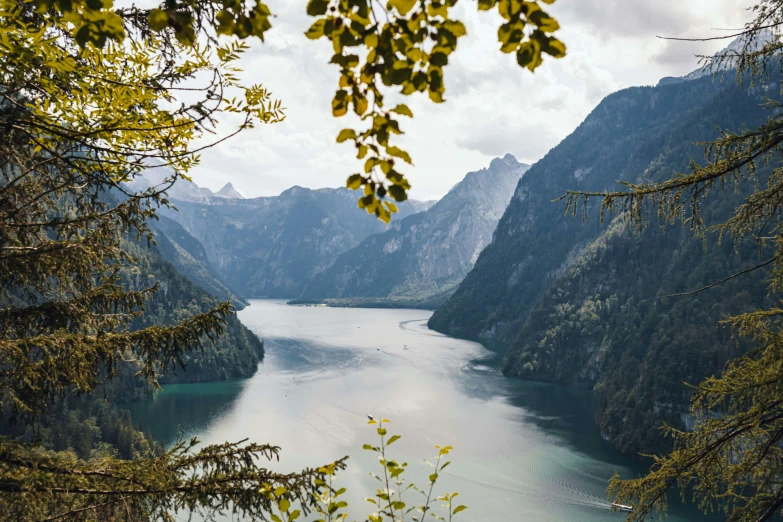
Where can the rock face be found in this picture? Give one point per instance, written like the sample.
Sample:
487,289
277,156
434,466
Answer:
574,299
622,139
274,246
424,256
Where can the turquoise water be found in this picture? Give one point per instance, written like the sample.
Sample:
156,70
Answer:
522,451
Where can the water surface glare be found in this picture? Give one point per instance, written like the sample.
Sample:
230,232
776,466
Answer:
522,451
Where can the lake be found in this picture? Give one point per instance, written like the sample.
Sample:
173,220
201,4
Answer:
522,450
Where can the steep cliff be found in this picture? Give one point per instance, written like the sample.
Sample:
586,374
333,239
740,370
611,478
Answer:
581,302
424,256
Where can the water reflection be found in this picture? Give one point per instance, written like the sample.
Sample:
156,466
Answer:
523,451
181,410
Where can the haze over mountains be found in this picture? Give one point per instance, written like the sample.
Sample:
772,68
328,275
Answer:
573,300
268,246
421,259
285,246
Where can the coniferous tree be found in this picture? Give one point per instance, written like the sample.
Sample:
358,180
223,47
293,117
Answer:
732,459
76,122
90,97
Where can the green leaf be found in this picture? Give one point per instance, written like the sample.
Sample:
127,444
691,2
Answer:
403,110
360,105
439,59
398,193
340,103
402,6
316,30
317,7
544,22
279,490
159,19
393,438
459,508
529,55
455,27
555,48
294,515
371,40
399,153
346,134
284,504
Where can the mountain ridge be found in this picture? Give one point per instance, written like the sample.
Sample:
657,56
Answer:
575,300
272,246
422,257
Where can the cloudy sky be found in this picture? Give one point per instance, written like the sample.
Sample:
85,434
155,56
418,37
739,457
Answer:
493,107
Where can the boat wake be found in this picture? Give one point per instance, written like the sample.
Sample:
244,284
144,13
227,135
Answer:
573,494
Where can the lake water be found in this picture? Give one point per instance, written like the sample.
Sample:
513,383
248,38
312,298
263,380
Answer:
522,451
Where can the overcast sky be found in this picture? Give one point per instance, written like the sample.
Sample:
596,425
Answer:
493,107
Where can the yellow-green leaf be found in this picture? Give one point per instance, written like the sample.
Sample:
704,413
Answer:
346,134
159,19
354,181
403,110
316,30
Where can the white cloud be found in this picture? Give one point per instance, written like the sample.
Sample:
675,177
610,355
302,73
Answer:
492,107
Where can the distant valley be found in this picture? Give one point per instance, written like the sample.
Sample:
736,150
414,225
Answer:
422,258
315,245
575,301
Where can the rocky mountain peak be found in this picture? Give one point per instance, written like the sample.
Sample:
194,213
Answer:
725,59
228,191
503,163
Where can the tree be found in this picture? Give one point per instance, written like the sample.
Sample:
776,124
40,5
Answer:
404,43
90,97
733,457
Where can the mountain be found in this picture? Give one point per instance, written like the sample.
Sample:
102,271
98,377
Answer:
182,190
189,257
422,258
228,191
96,424
232,355
274,246
576,300
726,59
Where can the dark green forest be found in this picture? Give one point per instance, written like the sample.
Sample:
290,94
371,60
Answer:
574,298
97,425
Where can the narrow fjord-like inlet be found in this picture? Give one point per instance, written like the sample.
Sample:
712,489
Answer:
522,450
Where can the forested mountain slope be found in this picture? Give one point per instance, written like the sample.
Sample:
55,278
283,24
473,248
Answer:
575,299
190,258
622,139
274,246
234,354
97,425
423,257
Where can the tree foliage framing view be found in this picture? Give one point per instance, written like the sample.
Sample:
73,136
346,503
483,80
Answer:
90,97
732,459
